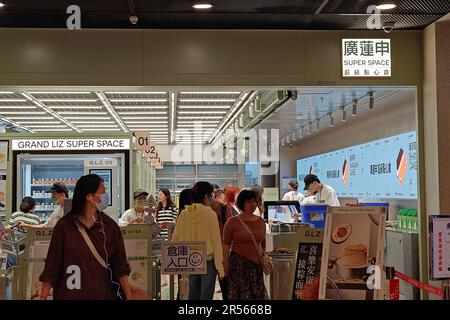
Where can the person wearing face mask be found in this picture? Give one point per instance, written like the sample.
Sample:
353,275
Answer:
324,194
136,214
59,193
86,259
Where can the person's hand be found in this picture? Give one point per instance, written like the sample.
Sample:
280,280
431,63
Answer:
138,220
137,294
5,232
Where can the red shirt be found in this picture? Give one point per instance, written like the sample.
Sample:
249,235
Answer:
236,236
69,254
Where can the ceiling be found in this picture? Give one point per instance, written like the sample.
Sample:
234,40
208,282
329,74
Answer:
225,14
170,116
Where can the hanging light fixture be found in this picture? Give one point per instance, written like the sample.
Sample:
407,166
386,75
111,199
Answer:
251,110
331,124
294,136
371,100
344,113
257,104
310,129
317,124
288,138
283,141
354,107
241,121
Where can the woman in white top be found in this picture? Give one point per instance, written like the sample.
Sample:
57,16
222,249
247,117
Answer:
166,212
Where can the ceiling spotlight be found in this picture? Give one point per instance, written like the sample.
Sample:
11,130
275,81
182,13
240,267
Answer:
258,104
283,141
331,124
1,5
241,121
202,6
288,138
294,136
354,107
344,113
317,124
371,100
251,110
386,6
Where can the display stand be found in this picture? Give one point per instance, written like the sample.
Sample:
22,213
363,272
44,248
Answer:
137,239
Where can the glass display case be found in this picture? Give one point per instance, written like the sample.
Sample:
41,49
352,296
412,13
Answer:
37,173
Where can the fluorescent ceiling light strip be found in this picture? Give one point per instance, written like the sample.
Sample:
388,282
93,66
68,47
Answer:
142,112
49,111
13,100
59,92
144,118
202,112
198,117
32,118
203,107
136,92
76,107
93,122
172,110
146,122
15,124
67,100
193,126
202,122
39,122
62,129
207,100
235,112
210,92
102,129
93,113
111,111
18,107
23,112
97,125
88,118
6,92
138,100
43,126
141,107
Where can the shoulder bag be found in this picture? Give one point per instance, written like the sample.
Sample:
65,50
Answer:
117,289
263,258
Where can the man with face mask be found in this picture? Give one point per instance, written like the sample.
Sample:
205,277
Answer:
137,213
324,194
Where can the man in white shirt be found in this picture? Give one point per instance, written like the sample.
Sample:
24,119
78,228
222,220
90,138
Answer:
293,195
137,213
323,193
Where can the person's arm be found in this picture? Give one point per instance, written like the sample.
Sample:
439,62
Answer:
227,239
53,261
119,262
124,219
263,243
217,244
126,287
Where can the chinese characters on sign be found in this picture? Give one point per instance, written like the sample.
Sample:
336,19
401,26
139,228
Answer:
183,258
307,272
366,58
380,168
440,247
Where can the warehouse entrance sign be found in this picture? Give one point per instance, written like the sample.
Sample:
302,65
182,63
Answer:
366,58
187,257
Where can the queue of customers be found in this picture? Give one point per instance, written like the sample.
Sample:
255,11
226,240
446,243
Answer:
87,241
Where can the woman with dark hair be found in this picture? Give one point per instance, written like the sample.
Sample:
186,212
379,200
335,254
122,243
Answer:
166,212
198,222
24,217
243,245
86,258
185,199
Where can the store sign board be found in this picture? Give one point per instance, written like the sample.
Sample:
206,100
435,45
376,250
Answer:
100,163
366,58
353,253
142,141
187,257
307,267
271,194
440,247
70,144
385,168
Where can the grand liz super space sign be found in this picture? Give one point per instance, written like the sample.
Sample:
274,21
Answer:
366,58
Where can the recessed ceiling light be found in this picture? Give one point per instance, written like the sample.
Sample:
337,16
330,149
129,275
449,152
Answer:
386,6
202,6
1,5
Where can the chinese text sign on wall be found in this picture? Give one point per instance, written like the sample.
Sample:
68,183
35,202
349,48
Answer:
366,58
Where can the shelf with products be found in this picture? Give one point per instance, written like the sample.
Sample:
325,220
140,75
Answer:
50,185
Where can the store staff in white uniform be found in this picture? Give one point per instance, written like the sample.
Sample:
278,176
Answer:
293,195
137,213
59,193
323,193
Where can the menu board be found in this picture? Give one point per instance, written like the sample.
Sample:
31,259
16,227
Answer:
385,168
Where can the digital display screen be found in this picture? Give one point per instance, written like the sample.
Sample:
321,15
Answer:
106,175
385,168
281,211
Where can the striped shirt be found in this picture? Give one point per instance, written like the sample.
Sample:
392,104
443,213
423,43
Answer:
167,214
28,218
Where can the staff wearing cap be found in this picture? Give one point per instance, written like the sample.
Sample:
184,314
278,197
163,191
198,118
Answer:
59,193
137,213
323,193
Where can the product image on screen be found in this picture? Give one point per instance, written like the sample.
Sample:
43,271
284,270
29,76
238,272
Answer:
282,212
